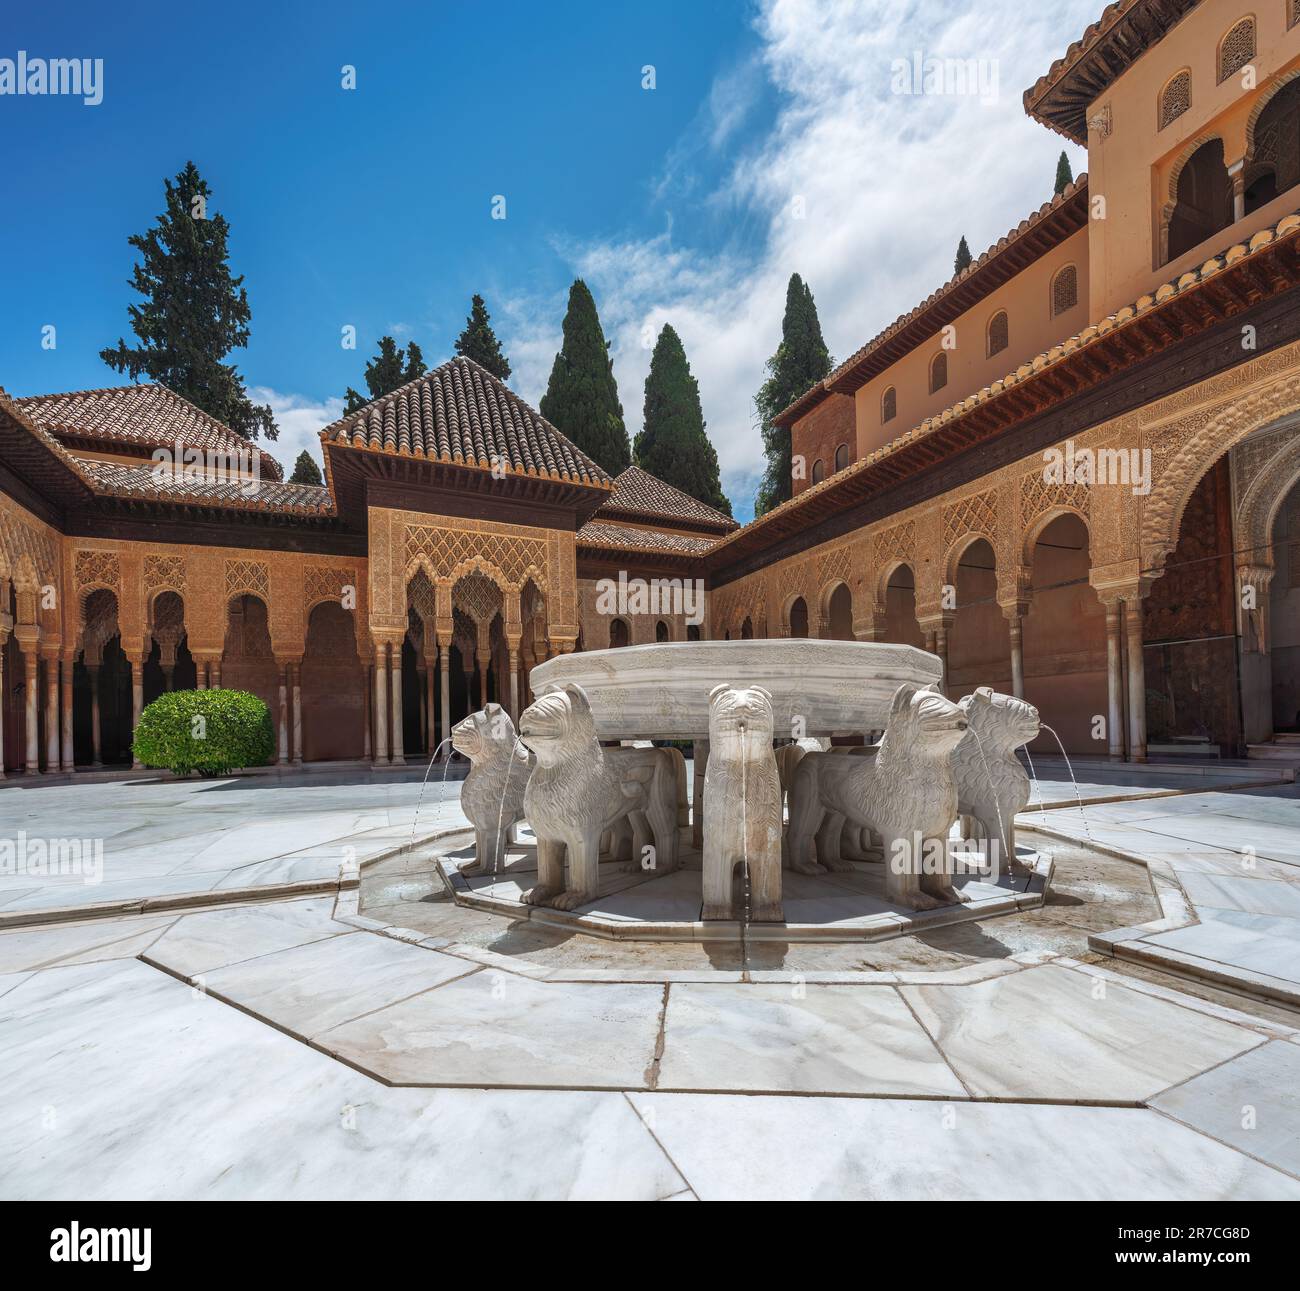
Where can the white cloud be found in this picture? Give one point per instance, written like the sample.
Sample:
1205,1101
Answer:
299,420
889,183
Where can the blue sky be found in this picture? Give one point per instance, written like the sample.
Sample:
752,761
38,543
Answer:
372,207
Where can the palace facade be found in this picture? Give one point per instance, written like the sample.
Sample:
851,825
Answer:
1073,472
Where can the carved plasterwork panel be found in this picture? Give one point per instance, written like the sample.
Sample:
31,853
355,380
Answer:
247,577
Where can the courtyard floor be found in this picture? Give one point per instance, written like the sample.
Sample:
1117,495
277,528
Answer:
249,1016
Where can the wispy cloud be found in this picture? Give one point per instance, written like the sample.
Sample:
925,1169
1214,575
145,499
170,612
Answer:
863,191
299,420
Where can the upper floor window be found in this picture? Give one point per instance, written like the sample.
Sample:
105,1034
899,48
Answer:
1237,48
889,400
1292,13
1273,155
1175,98
819,471
1202,200
1065,290
938,371
841,457
999,336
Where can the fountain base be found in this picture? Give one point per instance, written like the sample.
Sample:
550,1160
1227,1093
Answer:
633,905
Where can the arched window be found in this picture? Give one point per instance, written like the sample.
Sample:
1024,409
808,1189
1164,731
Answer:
819,471
1273,163
1175,98
1237,48
1292,13
999,335
1065,290
661,631
938,371
841,457
1204,199
747,629
619,635
692,631
889,400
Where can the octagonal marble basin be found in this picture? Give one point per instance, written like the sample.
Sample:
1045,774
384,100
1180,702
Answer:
661,691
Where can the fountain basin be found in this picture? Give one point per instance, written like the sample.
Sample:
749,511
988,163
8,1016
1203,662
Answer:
661,691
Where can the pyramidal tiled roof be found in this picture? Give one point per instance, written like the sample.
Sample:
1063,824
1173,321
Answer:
461,413
143,416
598,533
637,492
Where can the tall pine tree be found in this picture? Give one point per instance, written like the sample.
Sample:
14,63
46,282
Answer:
305,470
672,443
1064,175
479,342
581,398
962,259
386,372
800,361
195,311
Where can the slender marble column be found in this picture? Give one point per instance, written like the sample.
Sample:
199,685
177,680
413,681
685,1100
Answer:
96,742
214,675
367,687
69,761
52,723
399,754
296,678
381,704
430,719
1015,631
33,763
444,687
1114,683
1137,689
514,686
283,754
137,702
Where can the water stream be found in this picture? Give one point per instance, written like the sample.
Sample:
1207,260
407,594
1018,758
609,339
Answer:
420,800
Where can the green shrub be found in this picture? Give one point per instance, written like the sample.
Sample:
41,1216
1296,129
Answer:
212,732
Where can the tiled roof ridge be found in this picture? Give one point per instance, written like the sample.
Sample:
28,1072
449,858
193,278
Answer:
138,387
584,469
1287,226
690,510
609,535
1030,222
1093,32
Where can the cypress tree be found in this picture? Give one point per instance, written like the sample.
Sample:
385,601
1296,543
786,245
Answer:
800,361
581,398
963,257
1064,175
386,372
195,311
305,470
479,342
672,443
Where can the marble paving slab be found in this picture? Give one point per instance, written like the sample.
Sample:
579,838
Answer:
1043,1033
309,988
199,943
493,1028
1251,1103
46,945
752,1147
124,1083
807,1039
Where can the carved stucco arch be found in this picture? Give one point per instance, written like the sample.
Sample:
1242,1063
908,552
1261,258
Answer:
1257,509
824,598
887,572
1278,85
960,546
1236,420
1034,529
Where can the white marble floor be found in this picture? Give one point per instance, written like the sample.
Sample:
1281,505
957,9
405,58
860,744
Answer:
1236,857
290,1047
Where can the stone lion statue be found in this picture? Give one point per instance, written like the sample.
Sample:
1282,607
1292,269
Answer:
579,790
492,796
991,784
742,804
906,792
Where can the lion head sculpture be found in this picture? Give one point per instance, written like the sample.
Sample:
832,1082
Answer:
557,724
924,722
733,709
486,734
1001,722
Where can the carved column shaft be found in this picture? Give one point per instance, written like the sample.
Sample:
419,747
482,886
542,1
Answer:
1137,689
381,702
65,703
1114,683
32,765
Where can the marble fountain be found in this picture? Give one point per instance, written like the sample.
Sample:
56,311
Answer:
581,822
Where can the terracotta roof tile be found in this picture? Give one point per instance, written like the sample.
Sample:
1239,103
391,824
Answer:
637,492
147,482
599,533
145,416
461,413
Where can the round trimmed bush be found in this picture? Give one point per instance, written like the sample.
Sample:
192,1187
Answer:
212,732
